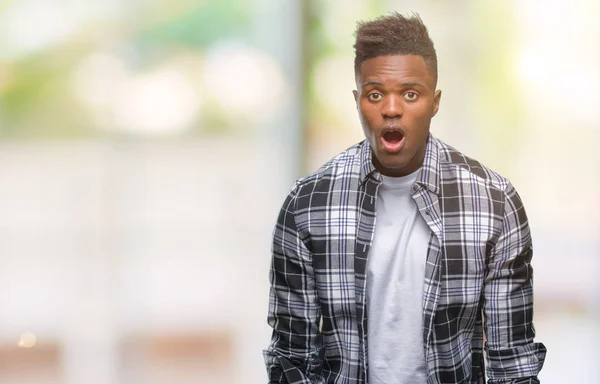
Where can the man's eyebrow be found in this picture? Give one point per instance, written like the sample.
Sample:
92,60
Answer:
379,83
372,83
412,84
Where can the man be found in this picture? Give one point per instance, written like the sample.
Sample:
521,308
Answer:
392,261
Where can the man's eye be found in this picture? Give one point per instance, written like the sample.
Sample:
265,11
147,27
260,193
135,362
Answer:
410,96
375,96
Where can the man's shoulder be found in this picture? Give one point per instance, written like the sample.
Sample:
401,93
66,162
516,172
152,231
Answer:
458,167
345,164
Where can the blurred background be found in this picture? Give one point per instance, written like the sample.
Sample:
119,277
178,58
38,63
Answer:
146,147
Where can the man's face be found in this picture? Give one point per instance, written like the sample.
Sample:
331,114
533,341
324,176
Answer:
396,99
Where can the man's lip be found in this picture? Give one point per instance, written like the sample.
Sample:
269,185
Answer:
392,128
392,147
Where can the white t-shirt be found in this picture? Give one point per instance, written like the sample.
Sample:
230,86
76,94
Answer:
395,278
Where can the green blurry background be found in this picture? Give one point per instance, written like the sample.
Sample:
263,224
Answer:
146,145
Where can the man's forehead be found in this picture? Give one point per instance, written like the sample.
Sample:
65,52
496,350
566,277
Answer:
395,67
394,62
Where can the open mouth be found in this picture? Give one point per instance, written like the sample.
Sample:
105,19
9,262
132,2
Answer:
392,140
393,137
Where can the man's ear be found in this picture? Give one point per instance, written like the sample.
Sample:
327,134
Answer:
436,101
355,93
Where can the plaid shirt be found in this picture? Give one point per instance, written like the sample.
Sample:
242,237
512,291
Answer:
478,274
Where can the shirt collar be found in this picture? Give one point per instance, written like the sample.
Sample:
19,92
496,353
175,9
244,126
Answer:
366,162
429,176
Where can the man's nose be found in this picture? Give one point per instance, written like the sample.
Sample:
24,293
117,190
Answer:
392,107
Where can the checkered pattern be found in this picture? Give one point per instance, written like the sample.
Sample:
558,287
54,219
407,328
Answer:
478,272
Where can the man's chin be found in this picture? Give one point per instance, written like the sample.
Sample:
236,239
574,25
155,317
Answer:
386,165
395,161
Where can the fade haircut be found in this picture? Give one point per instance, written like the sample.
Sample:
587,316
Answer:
394,35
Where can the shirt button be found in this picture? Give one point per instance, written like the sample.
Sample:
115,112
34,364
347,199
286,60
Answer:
428,212
415,187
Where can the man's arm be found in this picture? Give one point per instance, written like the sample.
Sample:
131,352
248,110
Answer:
294,310
512,355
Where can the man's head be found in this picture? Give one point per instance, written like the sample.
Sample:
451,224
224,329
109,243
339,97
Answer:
396,77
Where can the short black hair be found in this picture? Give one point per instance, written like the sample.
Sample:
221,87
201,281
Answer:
394,35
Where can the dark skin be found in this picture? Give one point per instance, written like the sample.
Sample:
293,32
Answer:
396,98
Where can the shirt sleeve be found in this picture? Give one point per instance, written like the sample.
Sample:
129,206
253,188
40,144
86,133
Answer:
512,355
295,352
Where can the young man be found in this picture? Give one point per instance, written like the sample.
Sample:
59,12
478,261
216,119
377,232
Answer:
392,261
